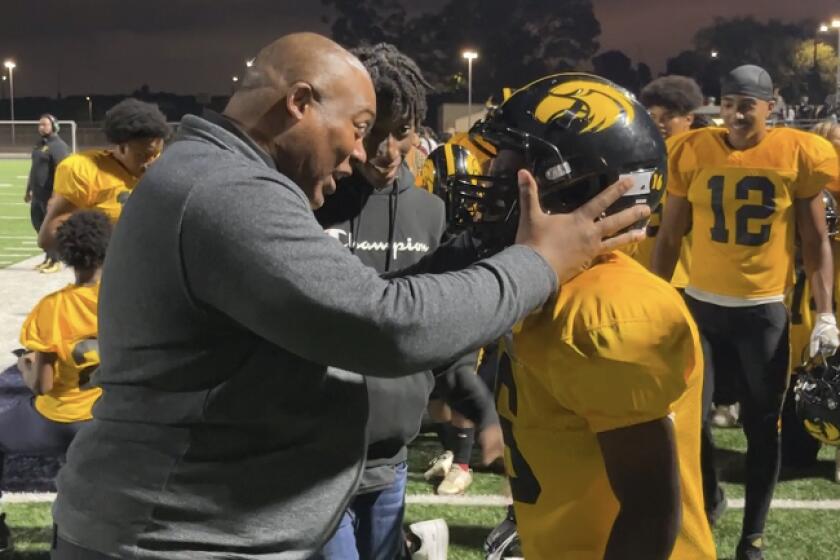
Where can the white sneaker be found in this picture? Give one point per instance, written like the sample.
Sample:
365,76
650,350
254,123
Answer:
439,466
434,539
455,483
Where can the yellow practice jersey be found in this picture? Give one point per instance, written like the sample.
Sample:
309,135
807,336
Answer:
644,251
743,207
64,323
95,180
616,348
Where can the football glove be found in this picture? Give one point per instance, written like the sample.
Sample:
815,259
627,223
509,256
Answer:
825,338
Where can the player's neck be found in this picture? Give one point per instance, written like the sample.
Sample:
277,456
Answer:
86,276
746,142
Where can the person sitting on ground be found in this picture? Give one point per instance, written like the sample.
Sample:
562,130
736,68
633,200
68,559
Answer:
62,352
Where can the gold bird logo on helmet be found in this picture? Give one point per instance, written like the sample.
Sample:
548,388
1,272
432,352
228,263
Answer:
597,104
824,431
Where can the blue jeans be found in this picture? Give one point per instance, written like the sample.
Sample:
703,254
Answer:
371,527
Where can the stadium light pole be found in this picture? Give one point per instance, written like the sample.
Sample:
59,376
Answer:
470,56
90,107
835,23
822,29
10,66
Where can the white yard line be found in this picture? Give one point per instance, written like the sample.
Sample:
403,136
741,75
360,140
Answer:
465,501
14,218
28,497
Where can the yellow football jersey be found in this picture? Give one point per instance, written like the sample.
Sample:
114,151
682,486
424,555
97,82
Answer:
742,201
616,348
95,180
64,323
644,251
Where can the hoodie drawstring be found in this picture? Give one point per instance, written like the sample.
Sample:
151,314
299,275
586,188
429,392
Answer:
393,201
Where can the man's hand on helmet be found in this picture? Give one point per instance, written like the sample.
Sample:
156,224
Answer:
569,242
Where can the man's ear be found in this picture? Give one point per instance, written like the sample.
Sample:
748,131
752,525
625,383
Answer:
299,99
771,105
690,119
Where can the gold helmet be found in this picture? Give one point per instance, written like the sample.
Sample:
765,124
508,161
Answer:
445,161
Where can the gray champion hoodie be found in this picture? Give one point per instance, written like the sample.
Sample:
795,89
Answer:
222,431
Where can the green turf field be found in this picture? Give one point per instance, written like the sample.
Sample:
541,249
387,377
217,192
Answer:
17,238
807,534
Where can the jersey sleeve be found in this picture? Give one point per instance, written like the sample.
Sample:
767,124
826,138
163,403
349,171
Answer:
678,179
39,329
818,167
627,373
72,181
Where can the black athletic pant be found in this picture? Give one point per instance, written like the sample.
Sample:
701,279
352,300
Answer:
37,213
24,430
758,336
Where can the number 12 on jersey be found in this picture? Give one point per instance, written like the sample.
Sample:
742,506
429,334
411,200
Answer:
743,188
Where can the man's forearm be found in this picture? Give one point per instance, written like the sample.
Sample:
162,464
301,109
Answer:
640,533
666,253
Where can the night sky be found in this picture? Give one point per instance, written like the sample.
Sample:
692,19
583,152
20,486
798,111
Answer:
195,46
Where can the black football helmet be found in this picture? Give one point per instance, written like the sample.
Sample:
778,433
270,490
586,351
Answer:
817,394
577,133
503,542
831,215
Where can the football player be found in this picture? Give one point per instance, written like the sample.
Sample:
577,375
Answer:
746,189
671,102
599,393
799,449
62,352
103,179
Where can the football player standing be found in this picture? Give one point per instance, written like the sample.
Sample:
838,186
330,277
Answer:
747,189
103,179
599,393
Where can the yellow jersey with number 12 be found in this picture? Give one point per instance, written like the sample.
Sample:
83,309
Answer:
616,348
743,208
64,323
95,180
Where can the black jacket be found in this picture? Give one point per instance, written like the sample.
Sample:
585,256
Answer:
47,154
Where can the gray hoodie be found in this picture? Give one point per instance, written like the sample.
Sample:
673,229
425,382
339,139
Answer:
222,431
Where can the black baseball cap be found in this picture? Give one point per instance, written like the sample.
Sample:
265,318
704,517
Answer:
750,80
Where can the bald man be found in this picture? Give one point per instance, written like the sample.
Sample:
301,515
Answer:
222,431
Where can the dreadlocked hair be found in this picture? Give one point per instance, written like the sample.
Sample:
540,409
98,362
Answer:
398,77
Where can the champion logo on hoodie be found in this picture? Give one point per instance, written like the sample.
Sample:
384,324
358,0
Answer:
407,246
